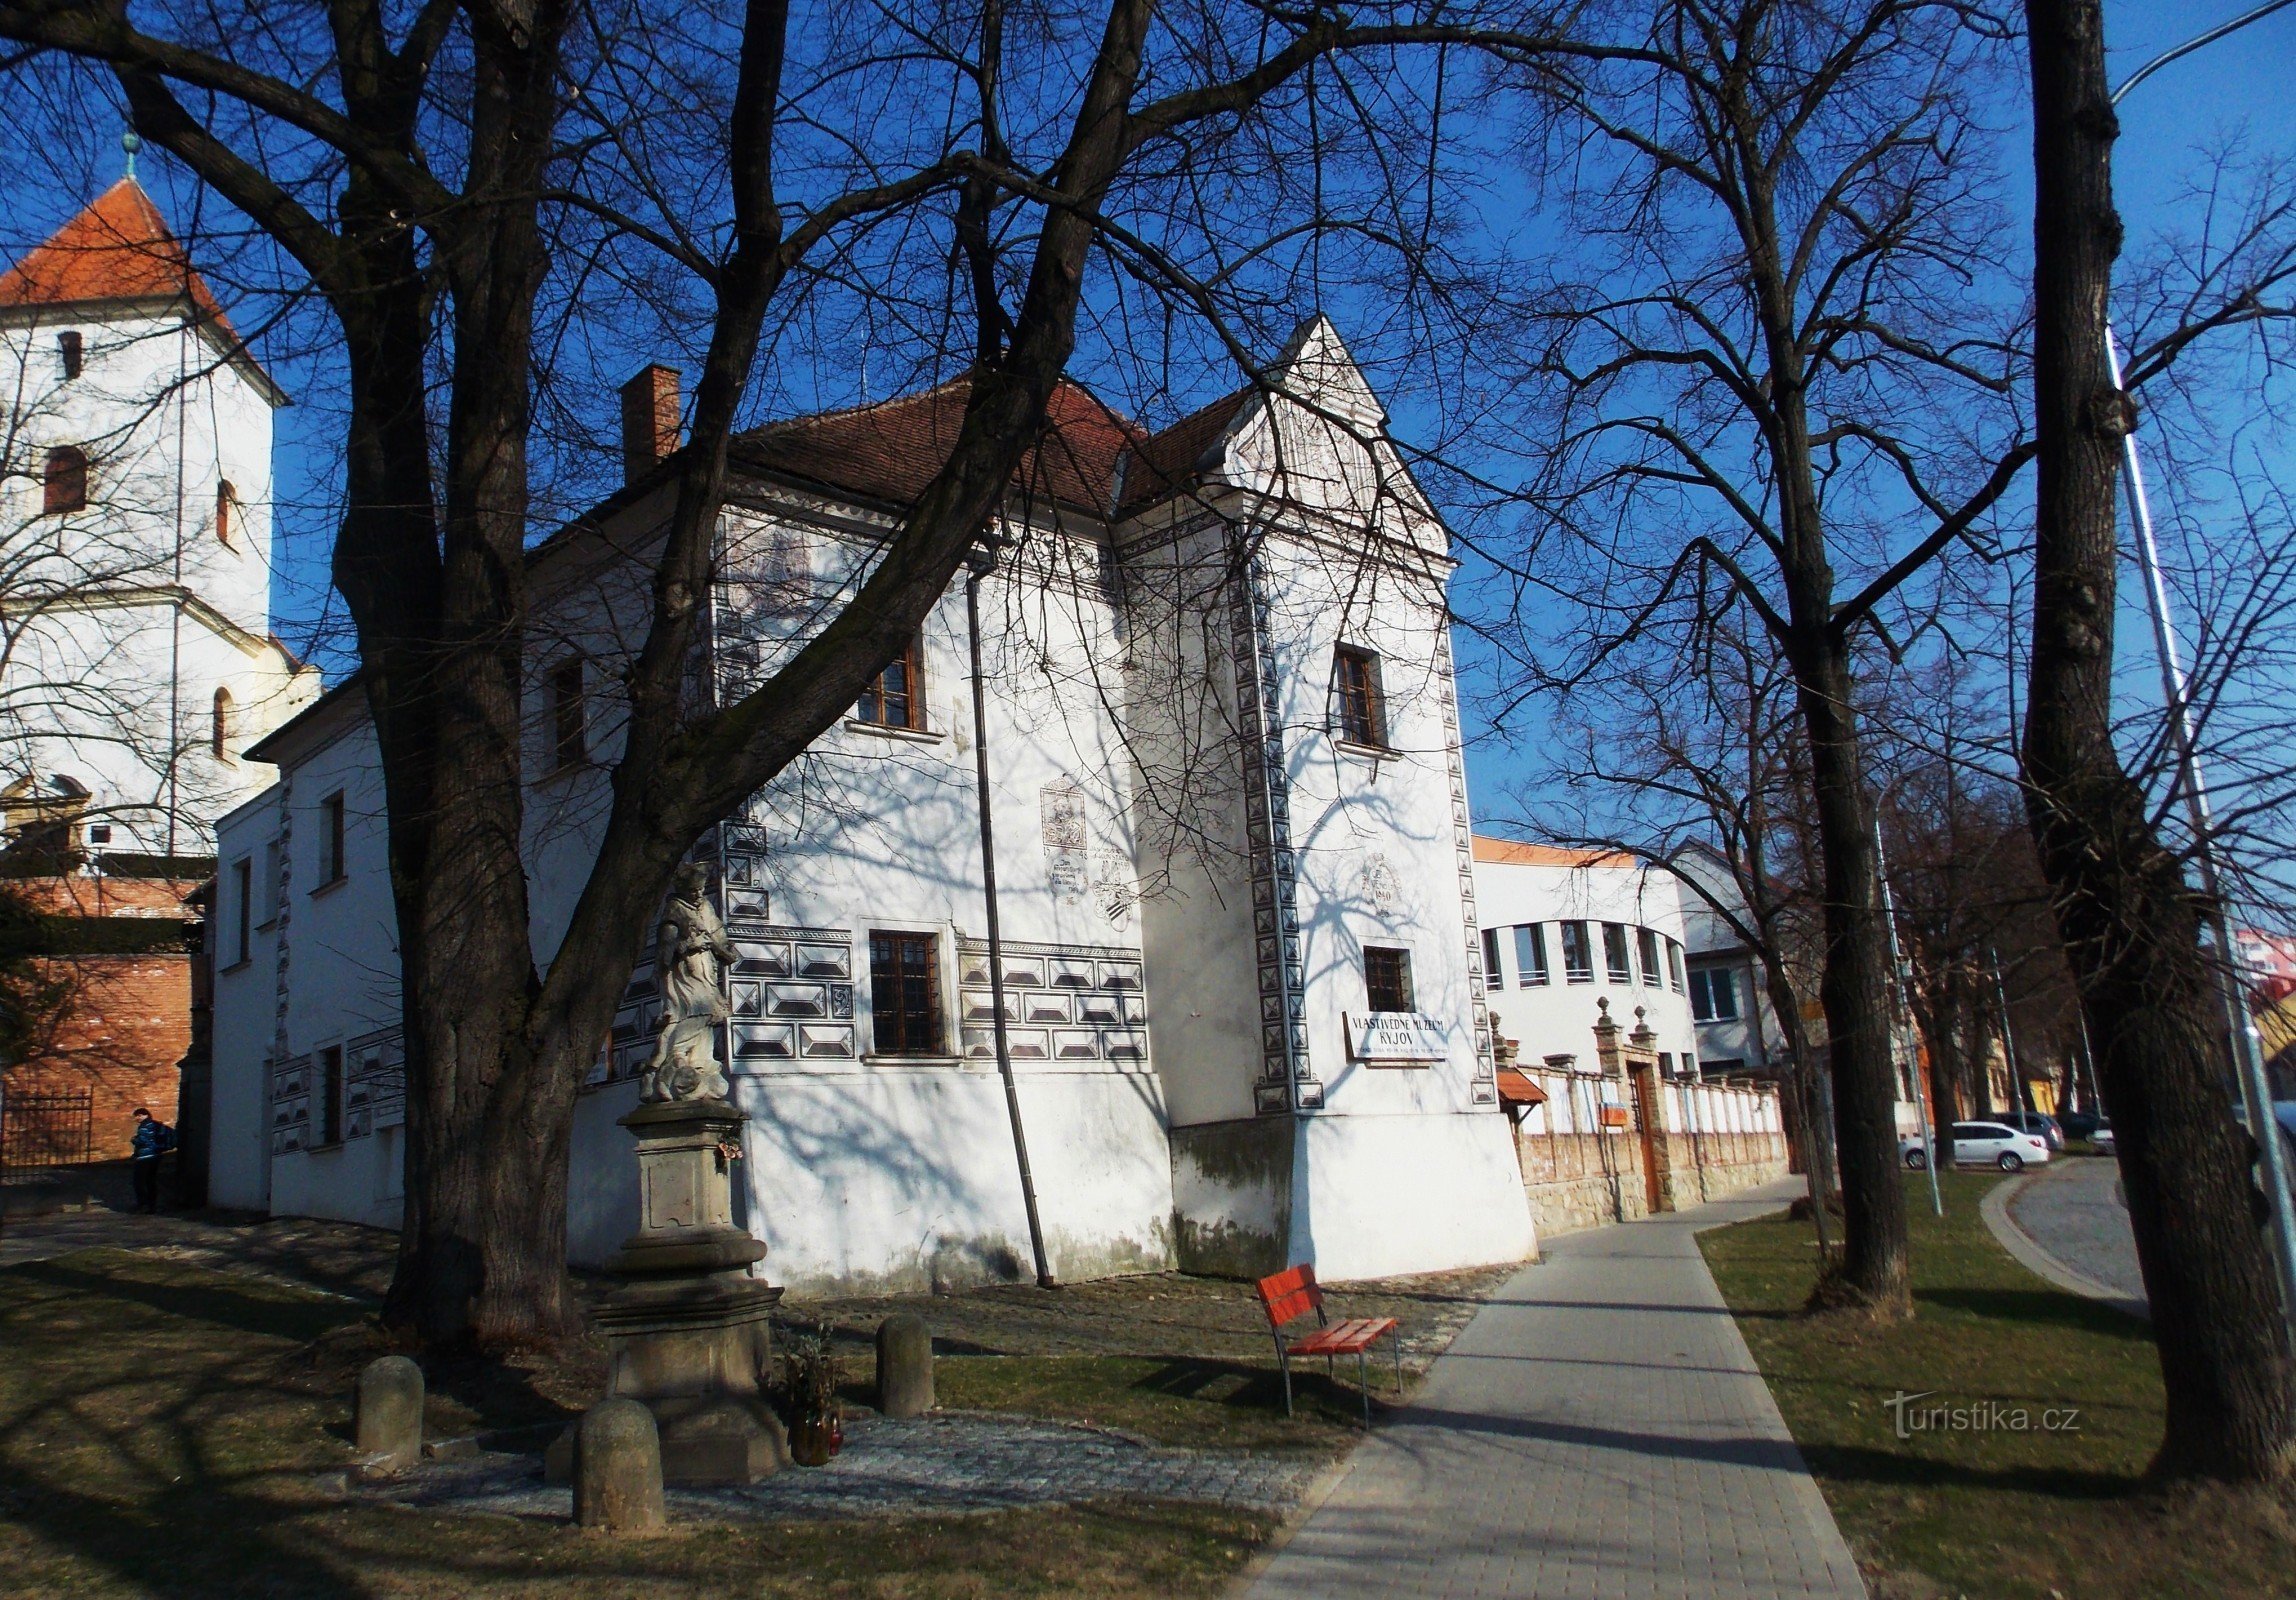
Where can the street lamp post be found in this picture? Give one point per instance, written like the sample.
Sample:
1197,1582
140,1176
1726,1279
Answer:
2247,1046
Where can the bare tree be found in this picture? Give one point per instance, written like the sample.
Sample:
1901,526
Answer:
964,172
1773,383
2130,922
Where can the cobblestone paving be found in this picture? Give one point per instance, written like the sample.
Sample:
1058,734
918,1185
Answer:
949,1462
2074,1211
1599,1432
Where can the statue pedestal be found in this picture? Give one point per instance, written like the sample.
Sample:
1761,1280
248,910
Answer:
689,1330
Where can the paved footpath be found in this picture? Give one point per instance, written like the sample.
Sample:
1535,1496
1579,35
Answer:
1598,1431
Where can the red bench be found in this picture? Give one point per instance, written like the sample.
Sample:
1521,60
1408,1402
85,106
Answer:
1293,1294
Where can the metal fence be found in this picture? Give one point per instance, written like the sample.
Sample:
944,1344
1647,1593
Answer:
45,1128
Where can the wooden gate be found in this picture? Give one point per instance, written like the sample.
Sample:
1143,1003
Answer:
1645,1079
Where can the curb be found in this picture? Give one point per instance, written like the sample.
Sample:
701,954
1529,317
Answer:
1994,1208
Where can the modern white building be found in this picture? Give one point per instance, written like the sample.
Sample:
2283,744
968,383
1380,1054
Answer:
1564,929
1737,1026
1245,992
135,538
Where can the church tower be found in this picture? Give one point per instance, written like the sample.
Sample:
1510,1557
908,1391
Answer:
135,544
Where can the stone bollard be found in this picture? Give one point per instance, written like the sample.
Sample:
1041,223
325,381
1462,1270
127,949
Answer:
390,1422
618,1469
904,1366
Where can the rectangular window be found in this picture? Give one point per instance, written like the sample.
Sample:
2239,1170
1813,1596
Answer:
905,993
71,350
331,1094
64,481
1674,965
331,865
226,499
1578,953
1493,978
569,717
1666,1063
1646,943
1362,708
1714,994
1387,979
1530,953
895,697
243,902
1614,958
268,886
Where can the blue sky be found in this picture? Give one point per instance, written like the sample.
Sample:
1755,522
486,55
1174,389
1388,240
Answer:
2239,86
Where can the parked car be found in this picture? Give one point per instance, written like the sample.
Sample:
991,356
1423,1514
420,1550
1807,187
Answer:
2101,1136
1983,1144
2034,1122
2078,1124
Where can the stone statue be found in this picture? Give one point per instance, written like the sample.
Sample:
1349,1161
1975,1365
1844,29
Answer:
691,953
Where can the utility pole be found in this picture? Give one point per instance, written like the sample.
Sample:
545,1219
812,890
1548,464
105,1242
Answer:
1904,1008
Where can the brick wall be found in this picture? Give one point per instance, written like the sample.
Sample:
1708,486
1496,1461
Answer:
125,1024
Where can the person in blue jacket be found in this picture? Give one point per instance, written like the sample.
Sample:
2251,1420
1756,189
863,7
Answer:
153,1139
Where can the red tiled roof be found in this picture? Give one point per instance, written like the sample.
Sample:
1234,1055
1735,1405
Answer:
891,450
1166,462
118,248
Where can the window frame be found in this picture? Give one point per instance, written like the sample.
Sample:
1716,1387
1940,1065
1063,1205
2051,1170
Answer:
569,715
1702,990
933,1008
71,353
243,887
1581,971
1359,698
912,663
1493,977
1399,975
64,481
226,498
1617,955
1531,940
334,851
1649,965
219,724
1674,966
332,1072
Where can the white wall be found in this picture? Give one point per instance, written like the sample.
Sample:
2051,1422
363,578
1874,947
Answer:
1557,1017
87,690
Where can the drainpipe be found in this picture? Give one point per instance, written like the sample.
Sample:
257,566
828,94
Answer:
983,561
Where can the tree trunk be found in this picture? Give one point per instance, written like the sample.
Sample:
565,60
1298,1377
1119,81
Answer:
1854,988
2130,923
482,1250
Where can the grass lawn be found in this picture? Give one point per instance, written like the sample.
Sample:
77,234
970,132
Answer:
1964,1509
161,1424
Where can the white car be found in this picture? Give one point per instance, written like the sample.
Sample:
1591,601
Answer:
1983,1144
2101,1138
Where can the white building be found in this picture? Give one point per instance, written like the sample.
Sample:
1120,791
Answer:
1737,1026
1564,929
135,529
1245,993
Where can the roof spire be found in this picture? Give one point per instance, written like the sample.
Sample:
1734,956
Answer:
130,144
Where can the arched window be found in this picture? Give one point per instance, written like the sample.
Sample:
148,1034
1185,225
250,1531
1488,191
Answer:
65,485
220,736
226,497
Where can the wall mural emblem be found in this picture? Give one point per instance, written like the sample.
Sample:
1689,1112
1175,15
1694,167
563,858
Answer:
1381,887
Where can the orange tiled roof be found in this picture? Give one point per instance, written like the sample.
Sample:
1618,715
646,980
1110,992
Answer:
891,450
117,248
1517,853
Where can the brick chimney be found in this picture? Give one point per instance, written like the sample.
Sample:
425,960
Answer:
649,420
